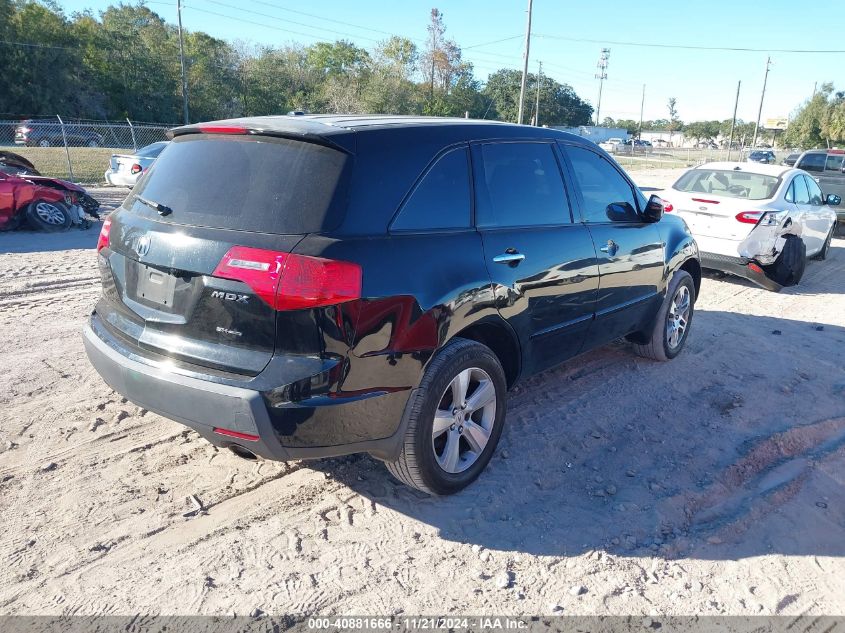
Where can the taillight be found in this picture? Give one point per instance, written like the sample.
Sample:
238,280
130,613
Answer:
667,206
249,437
286,281
749,217
103,240
25,130
223,129
135,169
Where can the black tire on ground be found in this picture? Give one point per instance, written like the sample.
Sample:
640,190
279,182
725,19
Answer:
48,216
92,143
417,465
790,264
44,143
822,254
655,342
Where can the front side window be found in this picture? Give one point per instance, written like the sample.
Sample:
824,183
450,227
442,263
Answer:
521,185
816,197
441,200
608,197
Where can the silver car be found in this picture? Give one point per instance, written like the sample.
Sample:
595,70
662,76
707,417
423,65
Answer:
125,169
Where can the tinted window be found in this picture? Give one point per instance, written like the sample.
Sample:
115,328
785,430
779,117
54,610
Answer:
834,162
522,186
245,183
813,162
816,198
802,196
607,195
442,198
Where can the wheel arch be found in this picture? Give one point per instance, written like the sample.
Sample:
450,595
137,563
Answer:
693,267
495,333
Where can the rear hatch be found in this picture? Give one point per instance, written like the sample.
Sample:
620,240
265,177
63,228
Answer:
194,252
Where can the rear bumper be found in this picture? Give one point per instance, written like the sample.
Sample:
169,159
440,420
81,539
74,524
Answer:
204,405
741,267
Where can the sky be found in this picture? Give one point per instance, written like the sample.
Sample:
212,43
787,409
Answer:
704,82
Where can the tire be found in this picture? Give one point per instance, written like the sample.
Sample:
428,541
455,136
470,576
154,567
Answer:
668,333
44,142
48,216
822,254
92,143
790,264
426,463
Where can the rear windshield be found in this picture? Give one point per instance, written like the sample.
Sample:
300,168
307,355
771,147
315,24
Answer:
151,151
730,184
260,184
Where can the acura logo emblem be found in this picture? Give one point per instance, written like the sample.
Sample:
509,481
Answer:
142,246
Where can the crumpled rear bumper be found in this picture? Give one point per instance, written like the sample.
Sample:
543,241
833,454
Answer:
741,267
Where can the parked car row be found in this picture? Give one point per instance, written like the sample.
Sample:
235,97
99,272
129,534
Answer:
48,133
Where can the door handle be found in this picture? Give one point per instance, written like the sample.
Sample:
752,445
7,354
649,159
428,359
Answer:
611,248
509,258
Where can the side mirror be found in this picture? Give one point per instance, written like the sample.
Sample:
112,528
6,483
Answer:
654,209
833,200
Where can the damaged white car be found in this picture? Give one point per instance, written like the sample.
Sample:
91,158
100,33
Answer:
757,221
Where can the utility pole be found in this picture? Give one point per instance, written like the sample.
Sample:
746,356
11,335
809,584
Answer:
182,61
525,64
733,122
642,105
601,75
762,94
537,105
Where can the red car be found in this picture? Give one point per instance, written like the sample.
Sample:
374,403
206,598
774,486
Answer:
49,204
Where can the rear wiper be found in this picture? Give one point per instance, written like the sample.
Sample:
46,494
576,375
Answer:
162,209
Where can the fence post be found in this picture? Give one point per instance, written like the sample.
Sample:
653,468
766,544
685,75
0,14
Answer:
67,150
132,131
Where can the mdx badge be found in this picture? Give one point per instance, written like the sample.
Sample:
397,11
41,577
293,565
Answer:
230,296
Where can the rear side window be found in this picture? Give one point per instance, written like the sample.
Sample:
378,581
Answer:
799,191
816,198
834,162
441,200
521,185
260,184
608,197
813,162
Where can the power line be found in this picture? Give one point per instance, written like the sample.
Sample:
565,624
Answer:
691,47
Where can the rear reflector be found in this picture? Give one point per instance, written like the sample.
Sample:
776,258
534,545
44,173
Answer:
237,434
286,281
755,268
749,217
223,129
103,240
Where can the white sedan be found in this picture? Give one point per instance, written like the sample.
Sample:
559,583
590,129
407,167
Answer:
757,221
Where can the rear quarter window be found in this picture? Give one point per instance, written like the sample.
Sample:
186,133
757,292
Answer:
259,184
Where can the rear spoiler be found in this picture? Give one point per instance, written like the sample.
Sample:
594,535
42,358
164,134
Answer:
300,131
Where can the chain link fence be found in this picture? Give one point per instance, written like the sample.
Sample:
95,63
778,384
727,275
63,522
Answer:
76,149
633,157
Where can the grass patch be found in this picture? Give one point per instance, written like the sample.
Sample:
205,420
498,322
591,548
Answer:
88,163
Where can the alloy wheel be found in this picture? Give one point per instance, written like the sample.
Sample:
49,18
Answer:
50,213
464,420
678,317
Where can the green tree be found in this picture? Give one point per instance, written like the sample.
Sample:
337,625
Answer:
559,105
806,128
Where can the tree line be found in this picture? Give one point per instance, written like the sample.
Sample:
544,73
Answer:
818,122
124,62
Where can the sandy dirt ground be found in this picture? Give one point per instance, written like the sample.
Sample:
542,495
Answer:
714,484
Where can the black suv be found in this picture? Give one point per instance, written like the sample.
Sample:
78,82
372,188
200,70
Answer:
827,166
311,286
48,133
